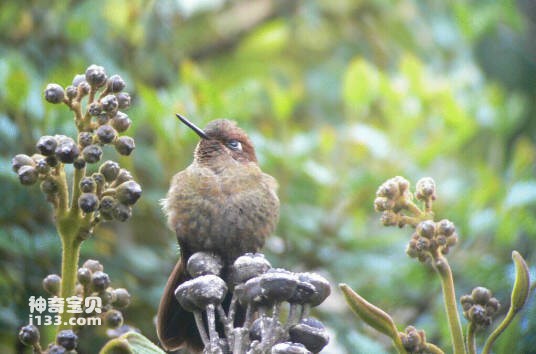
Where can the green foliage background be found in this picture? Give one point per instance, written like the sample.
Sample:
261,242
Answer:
337,95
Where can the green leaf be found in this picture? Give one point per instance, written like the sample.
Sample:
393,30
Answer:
520,292
372,315
131,343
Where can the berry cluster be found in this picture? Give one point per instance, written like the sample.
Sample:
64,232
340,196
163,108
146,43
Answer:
480,307
394,200
261,290
66,340
92,281
108,193
413,340
431,238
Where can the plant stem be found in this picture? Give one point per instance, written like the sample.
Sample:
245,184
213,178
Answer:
471,344
78,175
70,253
442,268
497,332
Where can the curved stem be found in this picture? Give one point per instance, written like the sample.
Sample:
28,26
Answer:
497,332
433,349
441,266
471,344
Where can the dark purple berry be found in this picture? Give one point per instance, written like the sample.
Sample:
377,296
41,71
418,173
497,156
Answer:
54,93
99,281
27,175
125,145
78,79
110,170
47,145
123,100
94,109
122,298
29,335
92,153
52,284
67,151
121,212
128,192
87,185
113,319
109,103
121,122
67,339
21,160
88,202
95,75
85,139
79,163
115,84
106,134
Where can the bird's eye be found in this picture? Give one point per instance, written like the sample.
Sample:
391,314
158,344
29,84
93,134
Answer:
234,145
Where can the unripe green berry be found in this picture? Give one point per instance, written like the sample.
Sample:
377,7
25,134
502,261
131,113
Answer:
122,298
27,175
52,284
67,339
85,139
93,265
54,93
106,134
99,281
84,276
21,160
109,103
88,202
128,192
92,153
121,122
95,75
113,319
125,145
29,335
123,100
122,212
115,84
87,185
110,170
46,145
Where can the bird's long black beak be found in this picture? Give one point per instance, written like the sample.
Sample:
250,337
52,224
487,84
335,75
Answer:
192,126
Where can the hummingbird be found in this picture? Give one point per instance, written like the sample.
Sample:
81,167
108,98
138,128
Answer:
221,203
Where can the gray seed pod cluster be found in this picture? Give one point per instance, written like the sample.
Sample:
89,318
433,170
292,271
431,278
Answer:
276,302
